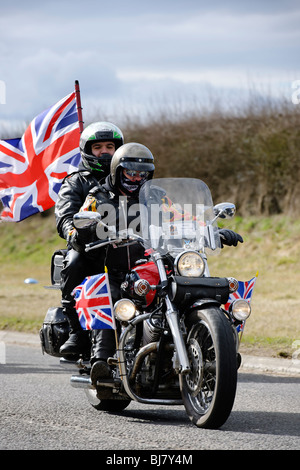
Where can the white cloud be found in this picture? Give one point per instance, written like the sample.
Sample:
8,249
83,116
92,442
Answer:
127,54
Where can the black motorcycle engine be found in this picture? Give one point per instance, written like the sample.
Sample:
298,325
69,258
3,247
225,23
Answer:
152,330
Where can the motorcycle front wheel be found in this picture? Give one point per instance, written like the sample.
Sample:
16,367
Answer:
208,390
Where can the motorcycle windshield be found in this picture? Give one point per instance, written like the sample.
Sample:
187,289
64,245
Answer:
177,214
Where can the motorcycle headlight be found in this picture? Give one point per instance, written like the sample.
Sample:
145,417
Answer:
241,309
124,310
190,264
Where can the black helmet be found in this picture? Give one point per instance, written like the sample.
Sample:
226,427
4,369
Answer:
132,157
99,132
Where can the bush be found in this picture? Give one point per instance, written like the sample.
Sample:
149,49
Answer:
251,159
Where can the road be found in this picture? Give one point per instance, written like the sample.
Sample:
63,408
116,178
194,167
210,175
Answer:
39,410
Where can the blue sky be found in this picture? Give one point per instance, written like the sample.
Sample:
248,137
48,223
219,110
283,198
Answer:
137,57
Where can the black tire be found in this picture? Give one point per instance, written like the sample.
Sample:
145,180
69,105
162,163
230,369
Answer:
106,405
112,405
208,391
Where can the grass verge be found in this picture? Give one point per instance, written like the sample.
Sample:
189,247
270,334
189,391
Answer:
271,247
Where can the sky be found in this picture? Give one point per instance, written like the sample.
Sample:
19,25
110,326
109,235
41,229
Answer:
135,58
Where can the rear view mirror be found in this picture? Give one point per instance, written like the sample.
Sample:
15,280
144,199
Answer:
86,219
224,210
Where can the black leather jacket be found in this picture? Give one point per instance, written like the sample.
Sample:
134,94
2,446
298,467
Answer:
117,259
71,197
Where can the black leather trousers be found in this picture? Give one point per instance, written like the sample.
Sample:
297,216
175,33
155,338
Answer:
104,341
76,267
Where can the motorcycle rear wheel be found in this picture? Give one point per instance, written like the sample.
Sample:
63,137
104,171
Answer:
208,391
105,405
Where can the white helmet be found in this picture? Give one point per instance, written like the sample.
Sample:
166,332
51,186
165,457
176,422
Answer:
99,132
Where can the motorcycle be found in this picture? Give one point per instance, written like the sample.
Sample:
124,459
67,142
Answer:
176,343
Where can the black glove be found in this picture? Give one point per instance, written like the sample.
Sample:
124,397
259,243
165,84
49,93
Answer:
74,241
229,238
78,238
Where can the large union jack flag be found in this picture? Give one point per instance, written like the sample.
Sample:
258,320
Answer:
32,167
93,303
244,291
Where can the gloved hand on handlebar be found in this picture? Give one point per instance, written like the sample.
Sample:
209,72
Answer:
229,237
78,238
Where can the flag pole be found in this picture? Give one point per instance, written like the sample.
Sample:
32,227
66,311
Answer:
78,103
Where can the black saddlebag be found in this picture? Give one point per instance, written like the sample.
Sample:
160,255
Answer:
54,332
185,290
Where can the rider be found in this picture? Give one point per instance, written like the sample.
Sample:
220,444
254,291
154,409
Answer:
131,165
98,143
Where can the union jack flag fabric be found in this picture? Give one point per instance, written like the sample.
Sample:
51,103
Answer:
244,291
93,303
32,167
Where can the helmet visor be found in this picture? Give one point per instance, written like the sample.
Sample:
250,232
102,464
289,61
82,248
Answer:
131,180
137,174
137,164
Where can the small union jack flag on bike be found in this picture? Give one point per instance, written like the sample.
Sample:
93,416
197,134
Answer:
32,167
93,303
244,291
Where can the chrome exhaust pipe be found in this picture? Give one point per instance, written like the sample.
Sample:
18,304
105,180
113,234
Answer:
77,381
143,352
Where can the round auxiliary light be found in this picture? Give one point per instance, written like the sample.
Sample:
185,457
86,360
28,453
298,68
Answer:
233,284
141,287
190,264
241,309
124,310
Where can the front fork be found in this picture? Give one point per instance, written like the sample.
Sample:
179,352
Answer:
172,318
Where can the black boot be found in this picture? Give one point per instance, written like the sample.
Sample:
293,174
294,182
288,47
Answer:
78,343
100,370
103,347
79,339
103,344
